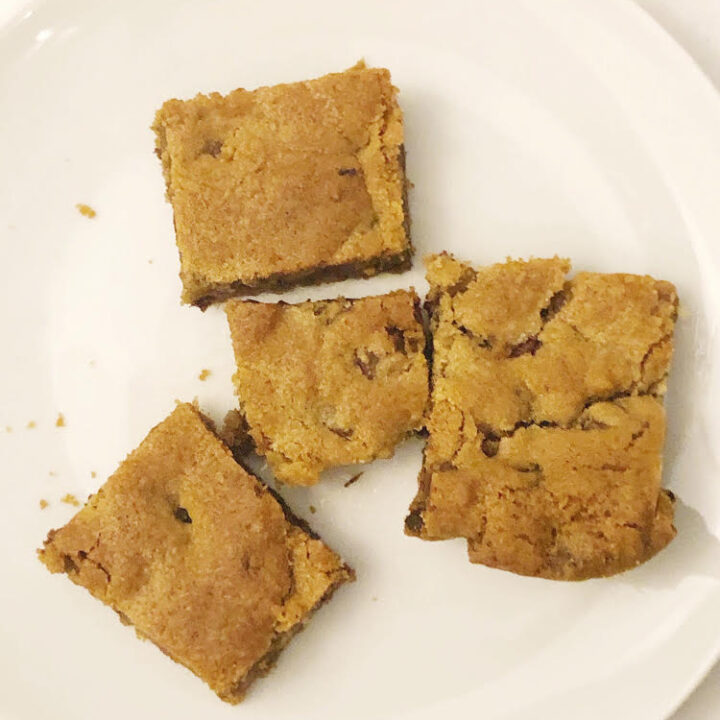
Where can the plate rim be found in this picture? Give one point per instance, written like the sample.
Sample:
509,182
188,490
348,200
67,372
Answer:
659,42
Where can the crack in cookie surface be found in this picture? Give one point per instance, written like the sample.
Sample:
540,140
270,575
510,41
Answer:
546,390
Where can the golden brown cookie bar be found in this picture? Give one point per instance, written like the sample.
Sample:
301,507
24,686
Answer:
546,424
292,184
329,383
198,555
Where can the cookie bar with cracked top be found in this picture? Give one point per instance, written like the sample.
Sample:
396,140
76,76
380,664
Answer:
330,382
292,184
546,425
198,555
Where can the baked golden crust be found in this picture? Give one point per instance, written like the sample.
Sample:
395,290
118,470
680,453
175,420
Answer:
294,183
546,425
198,555
331,382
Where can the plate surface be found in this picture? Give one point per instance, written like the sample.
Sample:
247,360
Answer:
571,127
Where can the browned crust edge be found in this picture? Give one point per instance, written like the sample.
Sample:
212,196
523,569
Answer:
280,282
267,662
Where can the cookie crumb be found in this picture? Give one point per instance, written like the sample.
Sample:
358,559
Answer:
93,474
43,503
204,374
150,262
374,598
352,480
60,422
52,473
8,428
86,210
235,434
31,425
313,509
70,499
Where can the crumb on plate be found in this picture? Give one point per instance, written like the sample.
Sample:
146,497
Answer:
352,480
86,210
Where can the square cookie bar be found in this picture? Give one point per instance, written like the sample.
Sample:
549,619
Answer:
546,424
329,383
198,555
292,184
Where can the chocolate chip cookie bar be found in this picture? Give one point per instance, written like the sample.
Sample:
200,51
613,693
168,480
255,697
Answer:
198,555
293,184
329,383
546,423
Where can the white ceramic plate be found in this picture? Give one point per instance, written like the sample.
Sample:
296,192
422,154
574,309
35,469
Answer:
572,127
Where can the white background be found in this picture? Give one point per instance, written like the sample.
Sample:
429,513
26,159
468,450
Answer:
695,24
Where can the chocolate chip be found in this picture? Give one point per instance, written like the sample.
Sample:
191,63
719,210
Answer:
182,515
414,522
68,564
490,445
553,307
397,335
467,276
527,347
347,171
368,364
483,342
212,147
